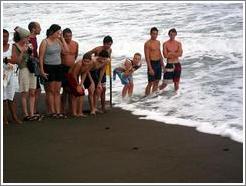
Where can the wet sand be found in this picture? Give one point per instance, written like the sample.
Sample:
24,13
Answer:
117,147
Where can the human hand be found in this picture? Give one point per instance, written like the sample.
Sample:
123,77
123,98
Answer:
43,74
151,72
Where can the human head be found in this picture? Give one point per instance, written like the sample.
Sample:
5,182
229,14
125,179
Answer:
54,31
21,34
34,28
107,42
103,56
136,58
86,58
5,36
153,33
67,34
172,33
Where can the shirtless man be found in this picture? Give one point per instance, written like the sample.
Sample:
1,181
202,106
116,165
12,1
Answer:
154,61
68,59
172,50
107,42
95,77
75,80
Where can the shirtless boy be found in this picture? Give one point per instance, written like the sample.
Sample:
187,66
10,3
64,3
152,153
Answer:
75,78
172,50
68,59
154,61
95,78
107,42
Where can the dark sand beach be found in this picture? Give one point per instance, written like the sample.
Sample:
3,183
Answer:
117,147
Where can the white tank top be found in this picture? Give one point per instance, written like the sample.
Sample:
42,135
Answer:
8,53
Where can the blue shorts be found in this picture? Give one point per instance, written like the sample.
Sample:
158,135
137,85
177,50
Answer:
156,66
124,79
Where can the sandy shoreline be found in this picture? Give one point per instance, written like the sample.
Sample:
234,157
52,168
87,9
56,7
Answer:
117,147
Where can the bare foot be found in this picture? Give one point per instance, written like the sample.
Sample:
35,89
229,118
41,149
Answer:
17,121
93,113
81,115
162,86
5,123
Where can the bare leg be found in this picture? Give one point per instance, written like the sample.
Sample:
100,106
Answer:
80,106
24,103
162,86
176,86
5,112
130,90
103,99
125,90
51,93
12,106
46,88
74,106
64,98
31,101
37,94
148,88
155,86
91,99
57,97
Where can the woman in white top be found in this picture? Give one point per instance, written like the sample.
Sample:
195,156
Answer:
9,81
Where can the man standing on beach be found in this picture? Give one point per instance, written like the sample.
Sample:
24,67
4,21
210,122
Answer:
68,59
35,29
107,42
172,50
154,61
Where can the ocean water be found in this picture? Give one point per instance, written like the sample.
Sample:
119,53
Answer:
211,88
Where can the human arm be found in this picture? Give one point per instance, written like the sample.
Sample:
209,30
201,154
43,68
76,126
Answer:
77,50
147,58
63,44
16,58
42,50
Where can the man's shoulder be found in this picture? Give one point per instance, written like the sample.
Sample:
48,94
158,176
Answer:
178,42
147,43
74,42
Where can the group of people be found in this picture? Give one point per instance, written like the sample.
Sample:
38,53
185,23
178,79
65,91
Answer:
59,66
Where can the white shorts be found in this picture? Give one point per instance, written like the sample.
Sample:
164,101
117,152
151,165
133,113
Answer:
10,88
27,80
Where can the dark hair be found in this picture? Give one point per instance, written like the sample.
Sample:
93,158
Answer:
53,28
87,56
17,37
172,30
31,26
137,54
5,31
153,29
66,30
104,53
107,39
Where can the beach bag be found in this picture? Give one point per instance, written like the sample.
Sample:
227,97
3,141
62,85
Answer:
33,65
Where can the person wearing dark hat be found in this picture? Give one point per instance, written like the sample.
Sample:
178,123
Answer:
50,67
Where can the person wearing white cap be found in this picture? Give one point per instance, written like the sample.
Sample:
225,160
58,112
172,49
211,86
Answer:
27,81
